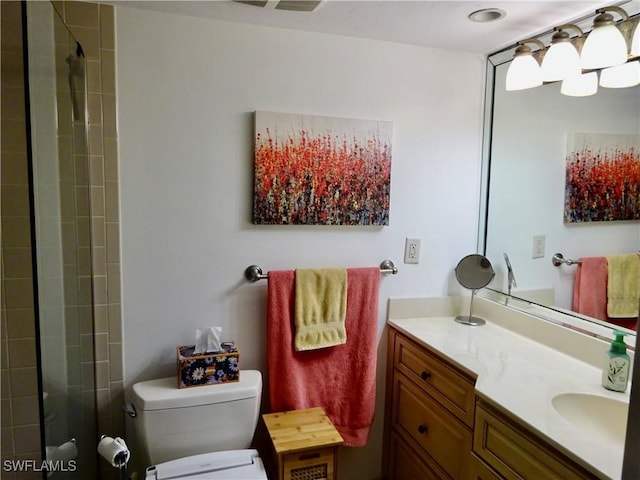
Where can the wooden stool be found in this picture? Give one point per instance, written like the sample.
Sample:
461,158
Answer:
305,444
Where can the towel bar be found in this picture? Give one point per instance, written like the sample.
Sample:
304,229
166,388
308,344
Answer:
253,273
558,259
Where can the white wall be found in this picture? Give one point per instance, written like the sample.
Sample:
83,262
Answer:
528,163
187,88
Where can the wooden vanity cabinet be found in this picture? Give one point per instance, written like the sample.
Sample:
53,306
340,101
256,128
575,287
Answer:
429,414
505,449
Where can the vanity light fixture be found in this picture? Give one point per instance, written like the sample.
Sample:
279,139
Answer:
621,76
562,60
605,46
635,41
524,71
581,85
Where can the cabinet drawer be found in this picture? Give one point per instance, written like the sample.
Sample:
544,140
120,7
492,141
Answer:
454,390
480,470
516,453
406,464
439,434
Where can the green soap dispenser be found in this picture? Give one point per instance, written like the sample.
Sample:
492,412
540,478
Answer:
615,374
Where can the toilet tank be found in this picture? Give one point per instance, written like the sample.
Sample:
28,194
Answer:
173,423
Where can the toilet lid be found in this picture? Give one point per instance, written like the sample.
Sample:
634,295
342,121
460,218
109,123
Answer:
227,465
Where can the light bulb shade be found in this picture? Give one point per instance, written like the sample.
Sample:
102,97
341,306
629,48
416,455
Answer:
524,72
605,47
560,62
580,85
621,76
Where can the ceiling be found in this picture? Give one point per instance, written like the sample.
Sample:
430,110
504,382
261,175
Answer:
436,24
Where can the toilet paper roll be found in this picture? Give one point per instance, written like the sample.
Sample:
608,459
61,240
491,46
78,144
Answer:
114,450
65,452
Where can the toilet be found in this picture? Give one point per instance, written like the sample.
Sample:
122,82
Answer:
201,432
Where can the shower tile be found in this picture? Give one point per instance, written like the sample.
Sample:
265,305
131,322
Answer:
94,105
94,81
10,28
13,170
95,139
22,352
18,292
6,440
11,70
24,381
101,345
107,27
101,321
5,380
13,135
115,322
20,323
82,14
26,439
110,146
96,170
102,375
15,200
98,232
25,410
6,417
112,203
115,362
12,102
113,242
97,202
113,282
109,115
108,65
99,260
100,290
17,262
84,261
86,348
16,231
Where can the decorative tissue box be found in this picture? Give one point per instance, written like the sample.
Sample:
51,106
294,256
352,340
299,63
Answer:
208,368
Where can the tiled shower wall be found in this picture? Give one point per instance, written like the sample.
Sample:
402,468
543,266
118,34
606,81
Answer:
93,25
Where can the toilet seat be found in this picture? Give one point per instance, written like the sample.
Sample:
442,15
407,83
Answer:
227,465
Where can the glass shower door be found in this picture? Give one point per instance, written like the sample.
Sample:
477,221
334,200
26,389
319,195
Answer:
62,220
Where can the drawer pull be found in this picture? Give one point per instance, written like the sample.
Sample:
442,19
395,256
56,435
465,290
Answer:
309,456
425,375
422,429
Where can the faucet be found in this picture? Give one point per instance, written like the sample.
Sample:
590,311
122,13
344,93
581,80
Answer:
511,279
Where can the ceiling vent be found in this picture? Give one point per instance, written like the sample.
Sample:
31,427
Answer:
290,5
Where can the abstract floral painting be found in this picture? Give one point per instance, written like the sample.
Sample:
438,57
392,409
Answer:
315,170
602,178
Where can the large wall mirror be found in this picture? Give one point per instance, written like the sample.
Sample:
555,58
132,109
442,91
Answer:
525,167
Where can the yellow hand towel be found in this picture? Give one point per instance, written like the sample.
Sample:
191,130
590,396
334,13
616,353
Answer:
623,286
320,308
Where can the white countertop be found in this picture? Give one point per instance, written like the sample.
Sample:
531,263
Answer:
522,376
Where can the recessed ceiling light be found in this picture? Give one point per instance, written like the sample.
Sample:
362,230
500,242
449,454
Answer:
487,15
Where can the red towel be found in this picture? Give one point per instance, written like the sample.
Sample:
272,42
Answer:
590,288
339,379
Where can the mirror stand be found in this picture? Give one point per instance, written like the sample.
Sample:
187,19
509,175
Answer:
473,272
470,319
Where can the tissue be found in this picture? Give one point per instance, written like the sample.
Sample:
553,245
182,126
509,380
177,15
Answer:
209,361
208,340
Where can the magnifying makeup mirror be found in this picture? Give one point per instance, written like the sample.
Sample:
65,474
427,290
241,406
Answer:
473,272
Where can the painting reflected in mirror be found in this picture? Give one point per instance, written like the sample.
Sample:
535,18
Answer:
541,145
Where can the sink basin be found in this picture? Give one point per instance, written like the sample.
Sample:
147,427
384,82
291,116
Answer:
597,415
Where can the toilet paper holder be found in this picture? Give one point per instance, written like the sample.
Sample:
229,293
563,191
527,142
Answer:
116,452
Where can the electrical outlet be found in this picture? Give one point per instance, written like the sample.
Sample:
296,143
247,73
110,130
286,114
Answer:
537,250
412,250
